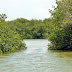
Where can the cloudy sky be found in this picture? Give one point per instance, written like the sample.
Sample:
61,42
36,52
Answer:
29,9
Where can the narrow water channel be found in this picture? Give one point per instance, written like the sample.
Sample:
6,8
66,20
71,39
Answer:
37,58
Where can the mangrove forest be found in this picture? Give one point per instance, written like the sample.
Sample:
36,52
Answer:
57,29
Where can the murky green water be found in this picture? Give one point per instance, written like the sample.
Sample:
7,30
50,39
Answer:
37,58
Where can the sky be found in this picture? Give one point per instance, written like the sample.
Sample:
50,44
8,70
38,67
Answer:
29,9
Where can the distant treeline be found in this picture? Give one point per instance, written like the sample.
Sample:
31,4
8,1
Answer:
57,29
29,29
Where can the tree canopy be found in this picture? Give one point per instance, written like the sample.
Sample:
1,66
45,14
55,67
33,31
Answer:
57,29
62,26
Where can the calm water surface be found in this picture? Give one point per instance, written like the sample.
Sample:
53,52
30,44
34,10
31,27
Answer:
37,58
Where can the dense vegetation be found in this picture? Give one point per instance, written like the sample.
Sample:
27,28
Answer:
61,26
57,29
9,40
29,29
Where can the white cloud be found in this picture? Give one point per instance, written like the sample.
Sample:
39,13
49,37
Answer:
40,10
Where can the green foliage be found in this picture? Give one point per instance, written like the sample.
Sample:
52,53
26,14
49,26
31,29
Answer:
9,39
12,32
57,29
33,29
2,17
62,26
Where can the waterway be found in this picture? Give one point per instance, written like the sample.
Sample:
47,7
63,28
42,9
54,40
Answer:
36,58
